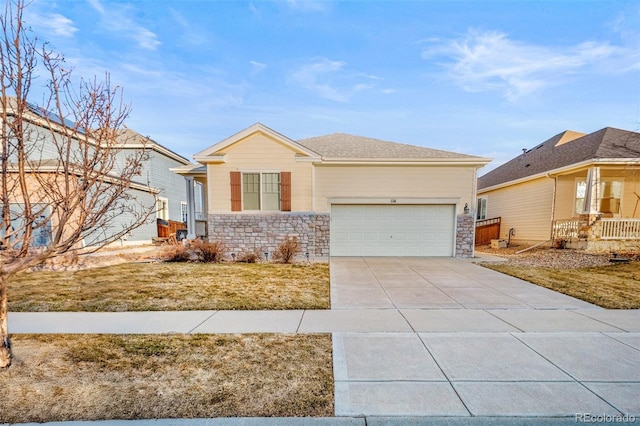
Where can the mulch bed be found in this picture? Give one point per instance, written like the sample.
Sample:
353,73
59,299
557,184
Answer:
545,257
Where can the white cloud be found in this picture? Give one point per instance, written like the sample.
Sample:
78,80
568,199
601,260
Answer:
97,6
257,67
309,5
490,60
116,19
330,80
192,34
53,23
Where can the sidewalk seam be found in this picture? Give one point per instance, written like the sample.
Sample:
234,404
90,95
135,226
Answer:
202,322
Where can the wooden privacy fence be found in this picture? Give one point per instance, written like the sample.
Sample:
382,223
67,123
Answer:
487,230
168,227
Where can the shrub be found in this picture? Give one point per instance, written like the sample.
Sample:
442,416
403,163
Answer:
287,250
176,253
249,256
209,252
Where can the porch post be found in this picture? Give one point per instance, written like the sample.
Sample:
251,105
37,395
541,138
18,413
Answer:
191,208
592,197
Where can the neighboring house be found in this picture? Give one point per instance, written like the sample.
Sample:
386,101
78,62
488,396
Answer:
340,195
169,189
575,189
156,187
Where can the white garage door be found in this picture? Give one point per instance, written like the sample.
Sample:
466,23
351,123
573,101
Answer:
392,230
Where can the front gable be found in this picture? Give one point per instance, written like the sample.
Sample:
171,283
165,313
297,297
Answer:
258,158
257,140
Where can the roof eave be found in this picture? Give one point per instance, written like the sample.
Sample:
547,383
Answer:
210,159
563,170
154,146
189,169
472,161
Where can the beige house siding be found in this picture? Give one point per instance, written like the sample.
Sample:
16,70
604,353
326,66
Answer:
566,197
566,192
631,197
525,207
258,152
351,181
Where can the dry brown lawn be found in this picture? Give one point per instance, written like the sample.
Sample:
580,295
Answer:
94,377
612,286
173,286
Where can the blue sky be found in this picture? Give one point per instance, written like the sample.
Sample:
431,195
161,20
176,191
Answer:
486,78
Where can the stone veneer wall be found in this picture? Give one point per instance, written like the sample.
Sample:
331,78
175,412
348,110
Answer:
265,231
465,235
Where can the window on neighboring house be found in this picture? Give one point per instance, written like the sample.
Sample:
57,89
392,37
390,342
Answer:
42,234
581,193
199,200
184,211
255,191
162,208
481,211
609,192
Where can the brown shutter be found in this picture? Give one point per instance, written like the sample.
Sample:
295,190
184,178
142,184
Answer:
236,191
285,191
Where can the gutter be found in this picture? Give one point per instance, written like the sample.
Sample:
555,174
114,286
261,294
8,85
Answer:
560,170
406,161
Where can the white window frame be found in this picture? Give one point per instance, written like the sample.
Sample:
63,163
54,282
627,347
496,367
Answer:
198,191
162,208
261,174
184,211
578,211
481,208
578,181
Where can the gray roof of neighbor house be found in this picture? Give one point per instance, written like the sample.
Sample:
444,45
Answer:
563,150
131,138
342,145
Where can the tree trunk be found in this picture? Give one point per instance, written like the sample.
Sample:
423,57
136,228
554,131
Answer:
5,344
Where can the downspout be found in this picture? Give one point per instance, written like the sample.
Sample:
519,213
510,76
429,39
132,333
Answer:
553,205
474,213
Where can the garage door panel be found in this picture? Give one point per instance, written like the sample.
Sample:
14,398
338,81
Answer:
392,230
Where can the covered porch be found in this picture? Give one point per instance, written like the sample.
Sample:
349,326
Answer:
195,176
597,208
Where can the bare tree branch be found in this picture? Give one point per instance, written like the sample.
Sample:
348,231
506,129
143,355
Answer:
65,174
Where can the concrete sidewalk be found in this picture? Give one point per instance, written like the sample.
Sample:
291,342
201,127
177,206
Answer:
329,421
435,337
329,321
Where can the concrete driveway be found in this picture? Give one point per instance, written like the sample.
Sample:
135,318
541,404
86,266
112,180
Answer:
462,340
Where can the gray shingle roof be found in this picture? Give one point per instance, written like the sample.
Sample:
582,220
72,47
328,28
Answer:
605,143
342,145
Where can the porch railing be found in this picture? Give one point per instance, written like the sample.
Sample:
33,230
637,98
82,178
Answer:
620,229
565,228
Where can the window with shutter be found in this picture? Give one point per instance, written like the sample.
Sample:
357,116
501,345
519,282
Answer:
285,191
236,191
265,191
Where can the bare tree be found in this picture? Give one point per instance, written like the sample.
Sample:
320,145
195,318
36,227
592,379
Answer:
66,182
